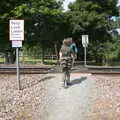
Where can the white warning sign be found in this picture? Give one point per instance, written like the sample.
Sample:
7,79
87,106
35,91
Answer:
16,30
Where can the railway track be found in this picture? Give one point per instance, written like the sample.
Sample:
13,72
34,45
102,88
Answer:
25,70
90,69
103,69
56,69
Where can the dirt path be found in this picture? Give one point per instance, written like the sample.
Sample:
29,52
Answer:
72,103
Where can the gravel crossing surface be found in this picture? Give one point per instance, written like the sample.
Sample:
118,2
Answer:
90,97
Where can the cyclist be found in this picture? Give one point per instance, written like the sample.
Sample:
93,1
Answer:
66,54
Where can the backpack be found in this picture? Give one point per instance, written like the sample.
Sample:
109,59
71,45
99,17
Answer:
74,48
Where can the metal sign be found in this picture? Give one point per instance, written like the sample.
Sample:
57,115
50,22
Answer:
85,40
16,30
85,44
16,44
16,35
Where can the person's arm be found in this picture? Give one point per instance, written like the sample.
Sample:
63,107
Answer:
60,55
72,53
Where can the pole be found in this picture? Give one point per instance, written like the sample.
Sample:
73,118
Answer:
85,56
17,67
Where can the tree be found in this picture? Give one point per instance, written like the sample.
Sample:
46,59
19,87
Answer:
44,20
6,8
46,25
92,17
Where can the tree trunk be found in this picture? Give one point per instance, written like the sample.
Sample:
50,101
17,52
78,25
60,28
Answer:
6,58
10,57
56,51
23,57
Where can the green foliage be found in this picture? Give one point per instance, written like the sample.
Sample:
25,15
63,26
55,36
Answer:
43,19
7,6
92,17
110,51
91,14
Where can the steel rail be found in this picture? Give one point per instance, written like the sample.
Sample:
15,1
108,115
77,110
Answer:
103,69
25,70
56,69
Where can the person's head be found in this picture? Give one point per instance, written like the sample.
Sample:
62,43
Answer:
67,41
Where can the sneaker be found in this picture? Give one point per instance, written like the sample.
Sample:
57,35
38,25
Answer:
68,83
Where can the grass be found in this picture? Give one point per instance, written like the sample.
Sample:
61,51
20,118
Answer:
33,60
115,64
1,60
112,63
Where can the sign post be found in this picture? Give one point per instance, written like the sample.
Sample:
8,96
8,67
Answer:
85,44
16,35
17,68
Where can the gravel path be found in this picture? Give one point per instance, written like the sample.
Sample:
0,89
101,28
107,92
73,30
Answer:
91,97
72,103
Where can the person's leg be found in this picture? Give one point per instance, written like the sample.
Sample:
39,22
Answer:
64,77
68,77
73,60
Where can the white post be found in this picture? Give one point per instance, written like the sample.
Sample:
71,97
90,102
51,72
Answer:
85,56
17,67
85,44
